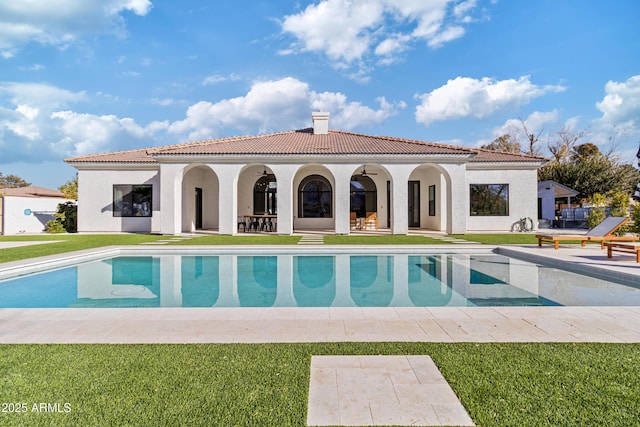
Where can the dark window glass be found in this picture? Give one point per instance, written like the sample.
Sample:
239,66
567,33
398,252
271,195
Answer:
265,199
132,200
364,197
489,199
315,198
432,200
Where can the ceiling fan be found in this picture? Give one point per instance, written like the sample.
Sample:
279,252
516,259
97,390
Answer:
365,173
264,173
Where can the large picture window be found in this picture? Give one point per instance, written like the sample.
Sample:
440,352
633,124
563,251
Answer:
132,200
315,198
489,199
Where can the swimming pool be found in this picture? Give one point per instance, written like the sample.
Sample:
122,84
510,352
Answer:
167,279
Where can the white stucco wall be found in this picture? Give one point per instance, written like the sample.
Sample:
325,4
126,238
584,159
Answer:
548,202
95,201
523,198
200,177
16,222
228,192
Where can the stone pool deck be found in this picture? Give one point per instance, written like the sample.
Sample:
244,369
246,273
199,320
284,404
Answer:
429,324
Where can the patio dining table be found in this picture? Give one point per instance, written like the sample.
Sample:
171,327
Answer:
260,222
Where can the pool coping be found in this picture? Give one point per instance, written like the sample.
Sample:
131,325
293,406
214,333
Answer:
332,324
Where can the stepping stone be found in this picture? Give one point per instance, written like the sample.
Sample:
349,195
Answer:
381,390
311,240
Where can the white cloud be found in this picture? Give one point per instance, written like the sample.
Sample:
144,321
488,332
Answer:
274,106
40,122
41,95
88,133
214,79
622,101
539,123
61,22
34,126
467,97
164,102
349,31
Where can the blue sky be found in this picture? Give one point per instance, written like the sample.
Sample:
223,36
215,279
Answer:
87,76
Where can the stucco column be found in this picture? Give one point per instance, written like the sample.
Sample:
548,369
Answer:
171,198
457,198
284,177
342,174
228,198
399,195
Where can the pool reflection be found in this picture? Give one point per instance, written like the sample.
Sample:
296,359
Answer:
308,281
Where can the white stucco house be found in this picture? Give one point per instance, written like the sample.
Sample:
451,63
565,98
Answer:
27,209
309,179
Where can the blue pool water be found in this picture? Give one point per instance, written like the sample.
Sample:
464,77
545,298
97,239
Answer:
434,280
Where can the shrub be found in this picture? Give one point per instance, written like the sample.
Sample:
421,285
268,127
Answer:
635,217
66,219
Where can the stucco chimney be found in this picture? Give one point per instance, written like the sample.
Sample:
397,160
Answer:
320,122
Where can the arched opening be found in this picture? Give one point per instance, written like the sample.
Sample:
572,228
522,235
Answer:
429,198
364,195
315,197
265,195
200,199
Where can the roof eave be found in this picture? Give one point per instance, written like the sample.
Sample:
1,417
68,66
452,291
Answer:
522,164
305,157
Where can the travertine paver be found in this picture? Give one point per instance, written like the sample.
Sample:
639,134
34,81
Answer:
381,390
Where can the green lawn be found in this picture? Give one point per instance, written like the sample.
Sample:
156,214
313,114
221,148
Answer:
266,385
68,243
74,242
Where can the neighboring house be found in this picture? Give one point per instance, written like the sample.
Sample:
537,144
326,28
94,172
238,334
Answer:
312,179
27,209
548,192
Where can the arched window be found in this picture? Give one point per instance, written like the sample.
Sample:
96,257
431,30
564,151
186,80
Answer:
315,198
265,199
364,196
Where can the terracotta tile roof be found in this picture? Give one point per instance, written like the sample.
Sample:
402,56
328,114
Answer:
299,142
30,191
129,156
498,156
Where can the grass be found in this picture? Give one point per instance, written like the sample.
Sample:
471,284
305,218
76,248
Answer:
68,243
381,240
245,239
74,242
514,384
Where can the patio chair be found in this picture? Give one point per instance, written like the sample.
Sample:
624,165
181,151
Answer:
371,221
242,222
353,220
602,233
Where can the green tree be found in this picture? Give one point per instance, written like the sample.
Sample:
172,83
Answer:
12,181
66,219
586,150
585,169
70,188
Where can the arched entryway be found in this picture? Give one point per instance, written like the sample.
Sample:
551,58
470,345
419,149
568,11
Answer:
370,198
429,198
257,199
314,199
200,195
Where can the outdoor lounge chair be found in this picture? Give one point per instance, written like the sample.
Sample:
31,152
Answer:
371,221
602,232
